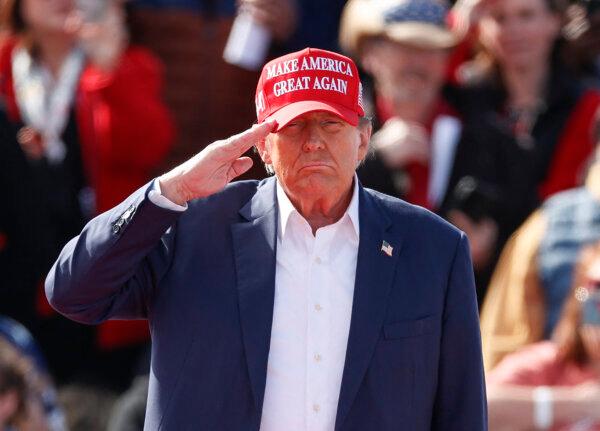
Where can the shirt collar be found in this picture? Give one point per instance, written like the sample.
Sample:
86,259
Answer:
286,208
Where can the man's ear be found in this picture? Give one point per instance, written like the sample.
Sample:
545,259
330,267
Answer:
365,132
263,147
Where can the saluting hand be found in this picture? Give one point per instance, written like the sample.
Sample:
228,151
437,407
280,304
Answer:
214,167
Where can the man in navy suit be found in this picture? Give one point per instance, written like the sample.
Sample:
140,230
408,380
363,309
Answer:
301,302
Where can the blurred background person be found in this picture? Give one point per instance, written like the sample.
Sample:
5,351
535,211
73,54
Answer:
555,384
405,51
87,407
520,78
535,272
21,407
207,95
519,81
129,410
82,125
24,344
425,150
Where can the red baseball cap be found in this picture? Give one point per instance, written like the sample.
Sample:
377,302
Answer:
306,81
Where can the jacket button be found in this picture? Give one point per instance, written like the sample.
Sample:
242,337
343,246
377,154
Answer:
127,214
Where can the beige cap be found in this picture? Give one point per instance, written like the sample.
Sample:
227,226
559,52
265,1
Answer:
420,23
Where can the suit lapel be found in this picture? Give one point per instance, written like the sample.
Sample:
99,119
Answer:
254,243
374,275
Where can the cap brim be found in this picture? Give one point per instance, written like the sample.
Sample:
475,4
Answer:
359,20
287,113
423,35
362,19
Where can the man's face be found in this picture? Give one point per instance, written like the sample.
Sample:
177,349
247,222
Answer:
519,33
405,73
316,154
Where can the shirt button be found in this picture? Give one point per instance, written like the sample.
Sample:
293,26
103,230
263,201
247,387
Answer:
318,307
316,408
318,357
318,260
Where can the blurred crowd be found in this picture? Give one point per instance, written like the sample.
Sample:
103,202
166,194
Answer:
486,112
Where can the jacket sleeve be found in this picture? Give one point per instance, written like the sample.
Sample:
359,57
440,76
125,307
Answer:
461,396
112,268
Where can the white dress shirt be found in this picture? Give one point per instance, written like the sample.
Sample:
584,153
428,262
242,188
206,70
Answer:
314,288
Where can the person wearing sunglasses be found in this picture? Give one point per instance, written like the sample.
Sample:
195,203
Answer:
555,384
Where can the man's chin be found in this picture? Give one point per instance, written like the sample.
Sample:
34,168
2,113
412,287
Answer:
315,182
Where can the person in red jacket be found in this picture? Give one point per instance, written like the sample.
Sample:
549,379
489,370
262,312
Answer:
82,125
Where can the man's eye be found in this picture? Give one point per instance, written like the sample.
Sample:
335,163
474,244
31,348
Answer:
293,128
332,124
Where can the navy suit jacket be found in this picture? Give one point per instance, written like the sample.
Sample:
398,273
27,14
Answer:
205,280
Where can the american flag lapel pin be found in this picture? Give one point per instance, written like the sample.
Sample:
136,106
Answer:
387,248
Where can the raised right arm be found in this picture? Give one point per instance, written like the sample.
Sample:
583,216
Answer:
112,268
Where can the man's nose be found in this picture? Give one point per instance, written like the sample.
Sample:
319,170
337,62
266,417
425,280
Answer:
313,140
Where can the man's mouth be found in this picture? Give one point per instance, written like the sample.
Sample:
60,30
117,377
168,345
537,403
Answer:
316,165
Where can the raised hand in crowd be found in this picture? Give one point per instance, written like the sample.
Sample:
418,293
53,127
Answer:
400,142
101,31
582,30
466,14
214,167
279,16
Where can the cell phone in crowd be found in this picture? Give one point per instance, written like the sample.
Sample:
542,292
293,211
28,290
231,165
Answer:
248,43
591,308
477,199
92,10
